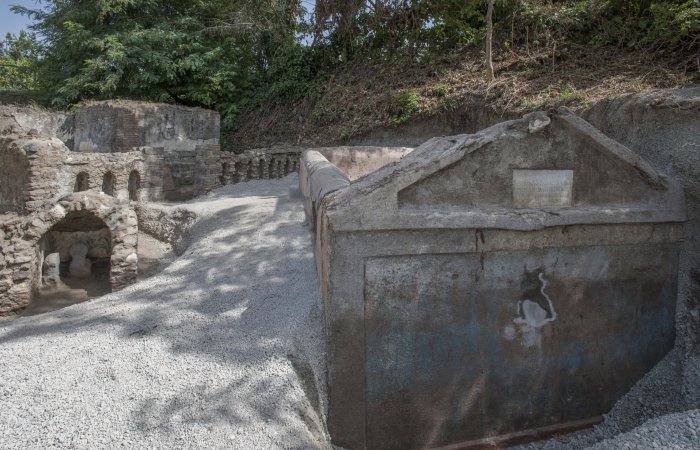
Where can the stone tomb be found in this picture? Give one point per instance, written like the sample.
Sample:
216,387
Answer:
493,287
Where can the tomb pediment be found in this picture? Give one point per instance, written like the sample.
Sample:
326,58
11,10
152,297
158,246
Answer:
541,170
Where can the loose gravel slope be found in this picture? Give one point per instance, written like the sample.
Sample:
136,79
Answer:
217,351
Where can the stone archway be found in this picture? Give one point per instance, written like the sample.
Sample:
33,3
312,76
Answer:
115,256
74,261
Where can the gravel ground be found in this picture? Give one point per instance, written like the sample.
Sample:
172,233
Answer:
219,350
651,415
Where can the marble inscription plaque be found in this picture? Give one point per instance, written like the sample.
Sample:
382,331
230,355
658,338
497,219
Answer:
542,188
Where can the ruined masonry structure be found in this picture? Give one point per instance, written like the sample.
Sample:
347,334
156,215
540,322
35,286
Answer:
69,185
183,144
67,219
489,287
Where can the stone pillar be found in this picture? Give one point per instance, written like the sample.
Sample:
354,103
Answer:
124,259
206,170
152,185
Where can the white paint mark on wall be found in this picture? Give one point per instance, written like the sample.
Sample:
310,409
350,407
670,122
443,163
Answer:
531,317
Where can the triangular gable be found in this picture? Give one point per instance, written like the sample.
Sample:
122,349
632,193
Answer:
512,175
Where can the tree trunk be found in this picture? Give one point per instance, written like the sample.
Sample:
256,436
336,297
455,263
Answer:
489,41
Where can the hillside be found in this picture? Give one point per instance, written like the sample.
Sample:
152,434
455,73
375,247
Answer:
452,94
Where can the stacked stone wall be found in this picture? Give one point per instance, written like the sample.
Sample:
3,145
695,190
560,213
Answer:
207,168
261,164
97,165
14,180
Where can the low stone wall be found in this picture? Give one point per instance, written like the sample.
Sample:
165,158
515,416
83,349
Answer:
318,177
260,164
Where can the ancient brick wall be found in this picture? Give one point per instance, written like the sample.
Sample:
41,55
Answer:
119,126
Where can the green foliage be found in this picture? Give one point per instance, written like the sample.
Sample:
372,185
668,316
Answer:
203,53
293,71
439,90
640,24
404,105
18,58
422,29
235,55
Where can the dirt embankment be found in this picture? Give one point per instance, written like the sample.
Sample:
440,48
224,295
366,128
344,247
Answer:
401,104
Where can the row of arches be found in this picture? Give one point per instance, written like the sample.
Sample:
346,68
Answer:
258,169
109,184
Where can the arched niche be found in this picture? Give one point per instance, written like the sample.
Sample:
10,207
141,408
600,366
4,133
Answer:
82,182
109,183
74,261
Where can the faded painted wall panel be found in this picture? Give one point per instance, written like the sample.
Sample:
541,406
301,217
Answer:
119,126
459,347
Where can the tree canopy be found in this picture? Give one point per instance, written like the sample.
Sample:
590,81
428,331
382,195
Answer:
232,54
202,52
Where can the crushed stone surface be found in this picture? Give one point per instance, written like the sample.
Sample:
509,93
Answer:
222,349
654,414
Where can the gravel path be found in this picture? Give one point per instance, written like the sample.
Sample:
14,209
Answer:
217,351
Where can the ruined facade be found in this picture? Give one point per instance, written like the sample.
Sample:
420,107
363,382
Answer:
69,186
119,126
492,287
84,234
124,151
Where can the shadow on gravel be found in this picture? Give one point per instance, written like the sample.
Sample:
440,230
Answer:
239,296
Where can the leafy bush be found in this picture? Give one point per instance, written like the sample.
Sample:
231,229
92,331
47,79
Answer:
404,105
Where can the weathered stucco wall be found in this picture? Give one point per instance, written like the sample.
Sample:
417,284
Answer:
456,313
664,128
119,126
357,162
32,119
